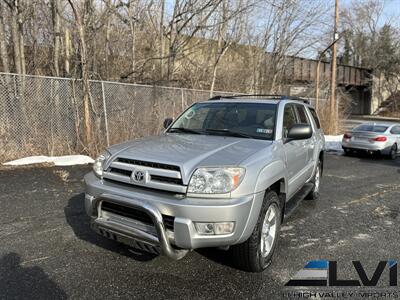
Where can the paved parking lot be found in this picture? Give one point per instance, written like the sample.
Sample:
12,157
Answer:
48,251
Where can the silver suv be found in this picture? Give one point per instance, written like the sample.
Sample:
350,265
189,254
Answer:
223,174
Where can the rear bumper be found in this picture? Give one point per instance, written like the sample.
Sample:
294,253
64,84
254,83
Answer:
243,211
367,146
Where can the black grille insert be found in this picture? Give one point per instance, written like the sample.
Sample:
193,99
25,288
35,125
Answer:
125,211
168,222
167,179
121,171
148,164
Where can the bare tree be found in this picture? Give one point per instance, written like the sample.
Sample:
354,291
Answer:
107,38
80,15
130,17
229,30
3,41
67,51
55,10
288,32
162,42
181,28
17,34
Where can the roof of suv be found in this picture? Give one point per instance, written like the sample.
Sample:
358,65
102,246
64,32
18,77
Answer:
242,100
273,99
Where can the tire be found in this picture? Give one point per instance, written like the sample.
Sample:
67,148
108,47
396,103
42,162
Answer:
347,151
393,152
253,255
314,194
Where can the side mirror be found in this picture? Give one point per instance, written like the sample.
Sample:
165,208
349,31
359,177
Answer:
299,132
167,122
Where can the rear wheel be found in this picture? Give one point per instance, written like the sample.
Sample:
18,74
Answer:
255,254
393,152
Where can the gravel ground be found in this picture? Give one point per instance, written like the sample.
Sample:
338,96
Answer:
47,250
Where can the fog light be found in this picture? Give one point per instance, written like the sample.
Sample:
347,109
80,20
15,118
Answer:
214,228
224,228
205,228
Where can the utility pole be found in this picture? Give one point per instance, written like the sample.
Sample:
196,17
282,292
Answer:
333,111
320,56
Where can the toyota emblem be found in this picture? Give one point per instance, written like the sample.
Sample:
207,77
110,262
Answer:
138,176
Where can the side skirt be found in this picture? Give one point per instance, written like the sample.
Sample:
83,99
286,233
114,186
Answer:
292,204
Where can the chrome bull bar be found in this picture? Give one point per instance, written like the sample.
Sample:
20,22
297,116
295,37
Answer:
128,232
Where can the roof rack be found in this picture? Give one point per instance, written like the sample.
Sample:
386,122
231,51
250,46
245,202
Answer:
270,96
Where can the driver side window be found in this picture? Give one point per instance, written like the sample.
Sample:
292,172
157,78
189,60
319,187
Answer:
289,119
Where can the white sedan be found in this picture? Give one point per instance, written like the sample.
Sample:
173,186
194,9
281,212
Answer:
374,138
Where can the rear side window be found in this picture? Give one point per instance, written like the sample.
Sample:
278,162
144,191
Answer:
302,114
315,117
395,130
371,128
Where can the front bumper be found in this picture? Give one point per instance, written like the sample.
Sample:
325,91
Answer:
243,211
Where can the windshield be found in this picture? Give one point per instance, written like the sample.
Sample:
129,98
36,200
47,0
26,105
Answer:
247,120
371,128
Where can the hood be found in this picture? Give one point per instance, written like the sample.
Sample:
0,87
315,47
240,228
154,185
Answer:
190,151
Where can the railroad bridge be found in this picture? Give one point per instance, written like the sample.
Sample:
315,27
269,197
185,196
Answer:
300,75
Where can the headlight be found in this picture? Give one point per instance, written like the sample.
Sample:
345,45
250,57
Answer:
98,163
215,180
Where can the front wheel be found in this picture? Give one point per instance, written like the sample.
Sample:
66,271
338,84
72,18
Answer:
255,254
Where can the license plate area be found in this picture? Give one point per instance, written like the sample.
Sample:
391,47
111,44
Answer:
360,139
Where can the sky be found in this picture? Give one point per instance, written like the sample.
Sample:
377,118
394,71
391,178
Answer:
391,11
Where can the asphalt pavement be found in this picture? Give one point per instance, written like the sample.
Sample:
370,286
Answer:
48,251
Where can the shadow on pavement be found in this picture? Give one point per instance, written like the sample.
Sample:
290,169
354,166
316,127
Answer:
80,223
221,257
19,282
376,159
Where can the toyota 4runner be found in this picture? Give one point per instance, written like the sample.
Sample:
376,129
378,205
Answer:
224,174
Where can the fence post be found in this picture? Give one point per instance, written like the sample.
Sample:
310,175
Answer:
15,86
105,114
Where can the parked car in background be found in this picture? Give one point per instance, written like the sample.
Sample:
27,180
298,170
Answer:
224,174
374,138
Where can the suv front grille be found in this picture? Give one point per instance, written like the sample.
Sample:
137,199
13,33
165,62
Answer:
152,175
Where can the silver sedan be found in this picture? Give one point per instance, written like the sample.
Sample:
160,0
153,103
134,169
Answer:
374,138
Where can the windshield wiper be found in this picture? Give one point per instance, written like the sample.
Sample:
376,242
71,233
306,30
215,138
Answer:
229,133
184,130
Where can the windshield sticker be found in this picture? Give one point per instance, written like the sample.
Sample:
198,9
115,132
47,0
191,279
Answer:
263,130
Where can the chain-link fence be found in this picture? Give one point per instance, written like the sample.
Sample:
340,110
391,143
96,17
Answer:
44,115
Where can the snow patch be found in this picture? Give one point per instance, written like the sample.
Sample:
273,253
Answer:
67,160
362,236
333,143
286,228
